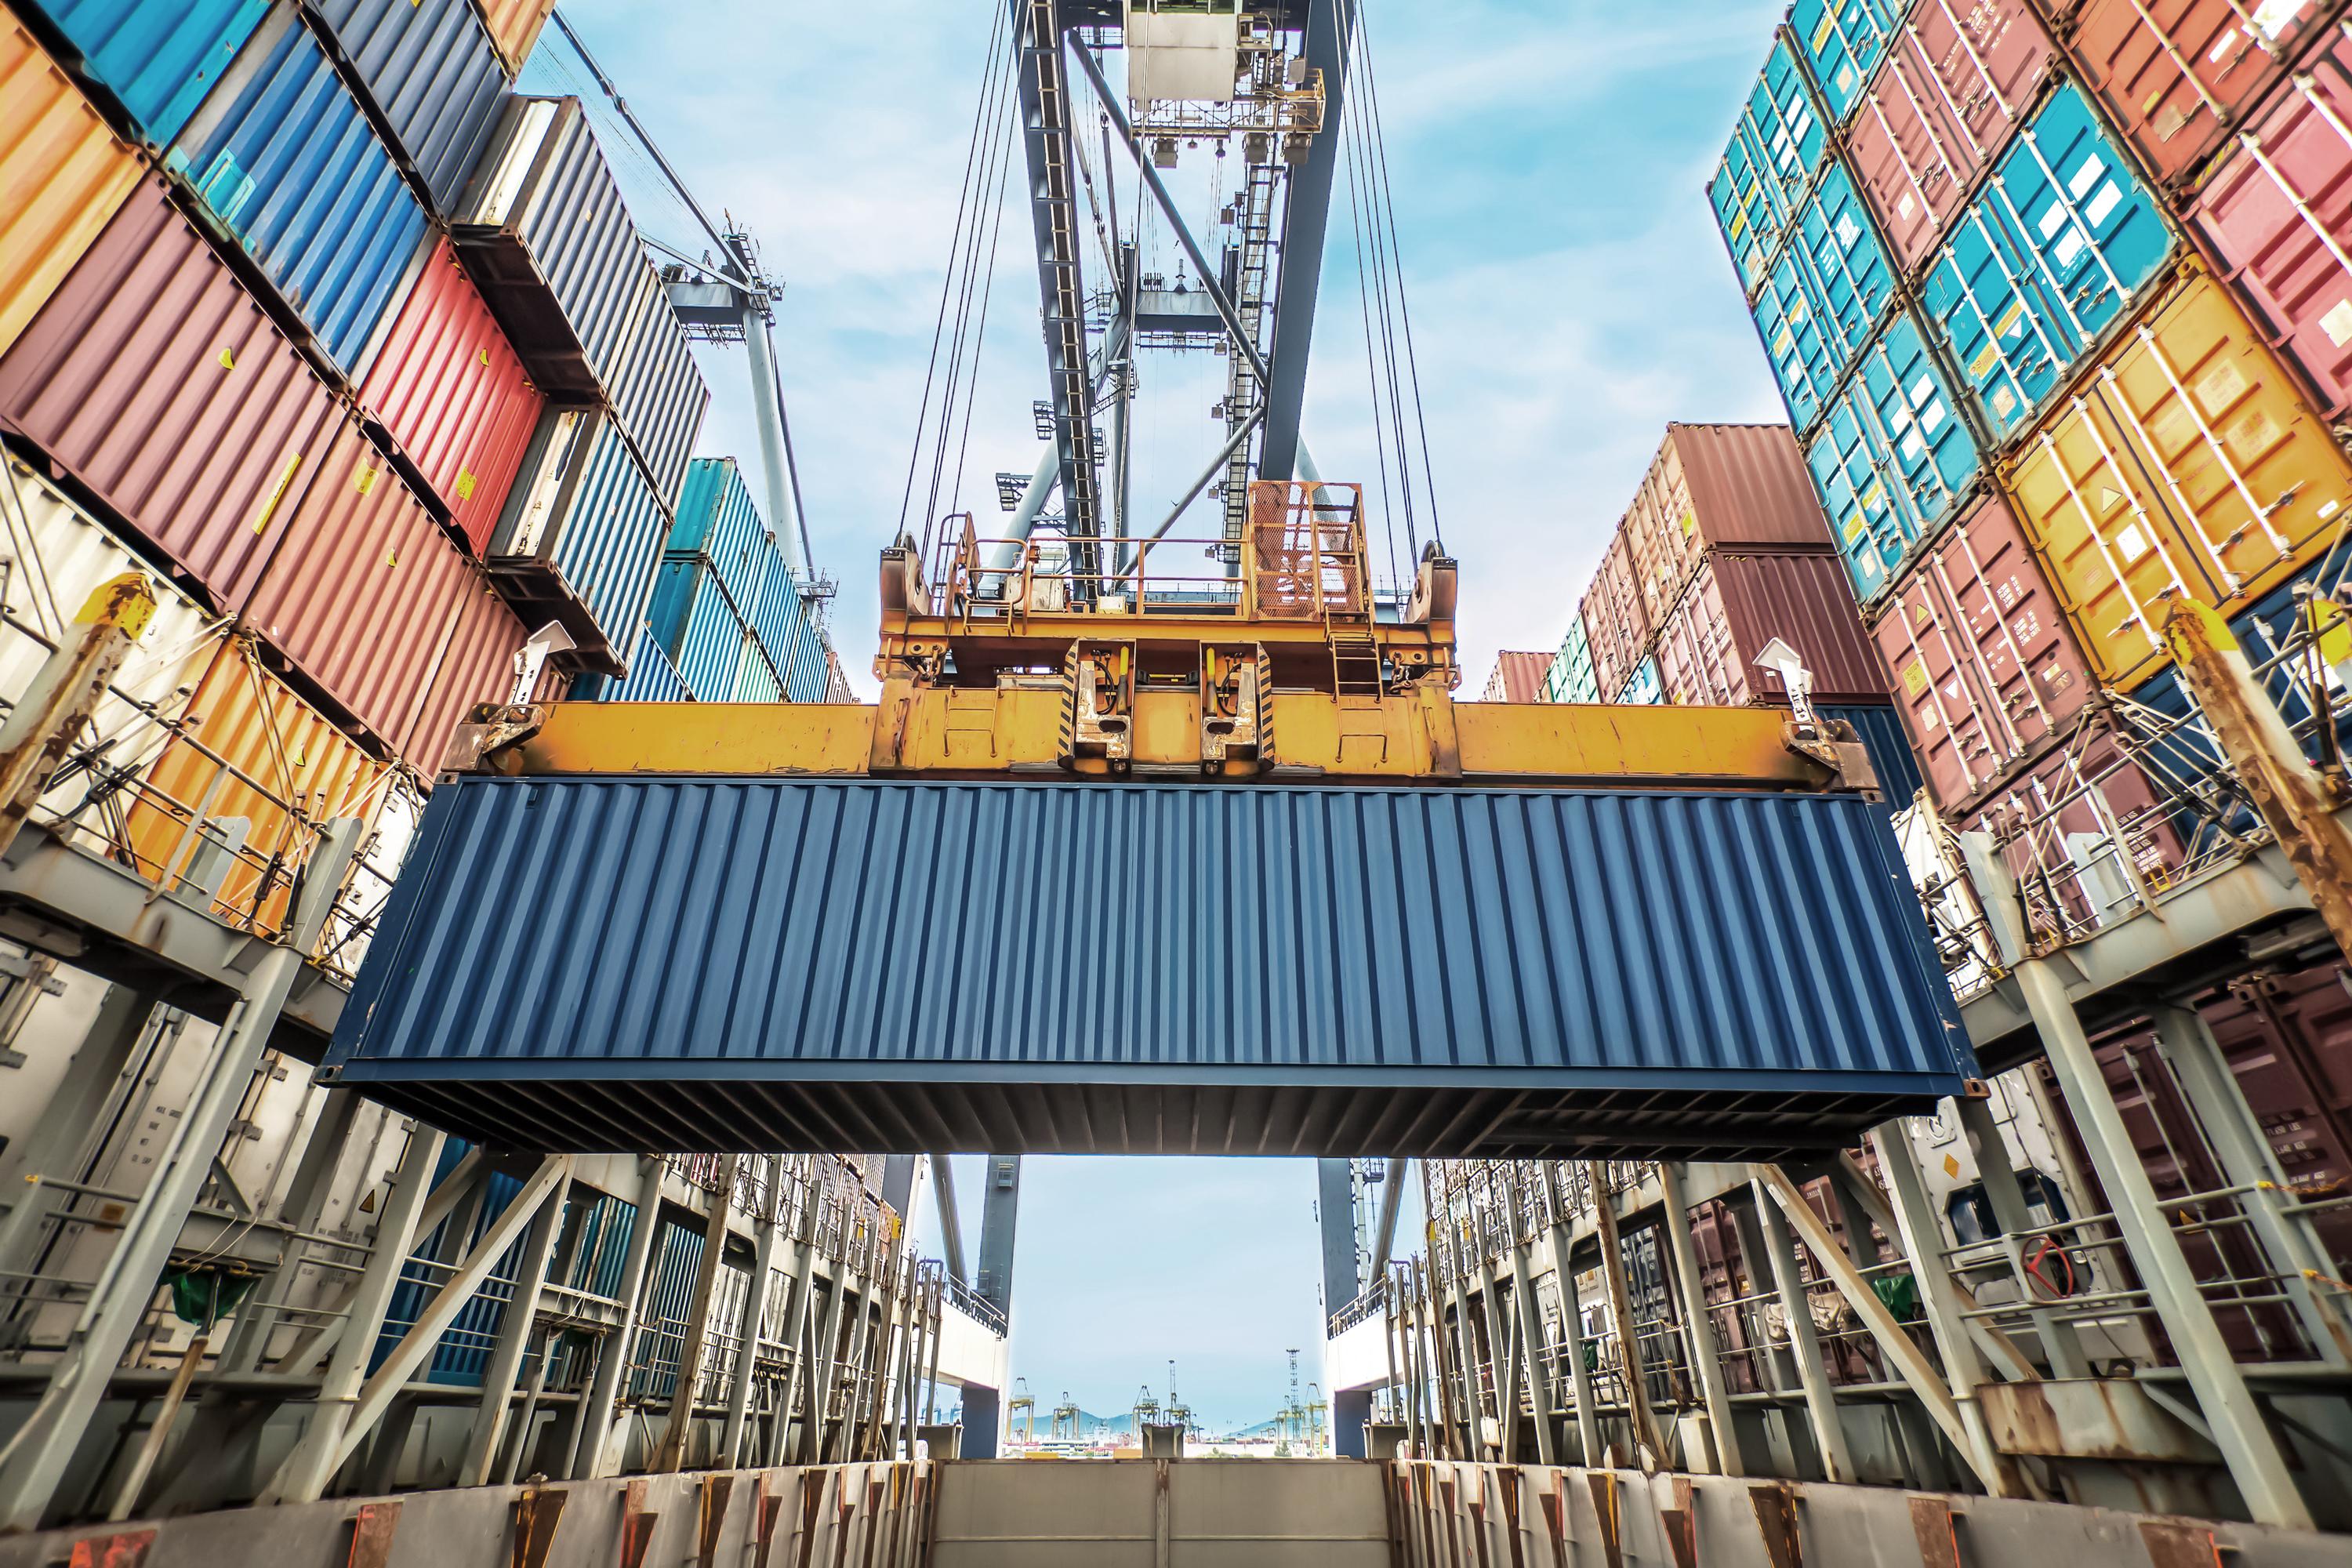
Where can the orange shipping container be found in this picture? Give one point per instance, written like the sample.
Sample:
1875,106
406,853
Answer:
289,770
514,27
62,176
2184,462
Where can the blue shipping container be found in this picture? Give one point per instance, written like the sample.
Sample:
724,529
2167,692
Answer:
656,387
1775,151
1891,458
651,679
755,677
1843,42
435,76
1889,746
2056,250
717,520
582,510
1738,973
697,624
785,623
159,57
283,157
1642,687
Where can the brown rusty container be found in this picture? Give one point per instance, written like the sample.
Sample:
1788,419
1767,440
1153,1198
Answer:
153,379
1978,656
1737,604
1740,488
370,599
62,176
1613,616
1518,678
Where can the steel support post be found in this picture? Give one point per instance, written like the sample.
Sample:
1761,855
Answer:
2248,1160
50,1146
2227,1405
1572,1323
1804,1342
1000,1218
1999,1352
950,1222
670,1455
1940,1297
775,439
746,1354
2061,1343
797,1371
1699,1330
1392,1200
592,1438
1531,1338
36,1458
516,1327
823,1370
1621,1318
1502,1362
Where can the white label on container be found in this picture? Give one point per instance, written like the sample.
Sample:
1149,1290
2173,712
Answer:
1921,391
1848,231
2087,175
2110,197
2068,248
2272,17
1931,418
2337,323
1902,209
1927,718
1912,447
2003,400
2131,542
2052,221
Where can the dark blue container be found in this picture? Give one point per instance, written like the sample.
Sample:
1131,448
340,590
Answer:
434,76
857,965
1889,746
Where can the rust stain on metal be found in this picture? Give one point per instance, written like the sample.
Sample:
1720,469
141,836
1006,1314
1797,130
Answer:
1507,1484
1604,1506
536,1514
2171,1545
1931,1522
636,1526
812,1504
125,1550
371,1533
767,1505
1776,1522
1555,1512
1681,1524
712,1515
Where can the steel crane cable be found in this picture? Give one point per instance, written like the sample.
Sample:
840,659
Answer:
995,62
1371,266
1372,369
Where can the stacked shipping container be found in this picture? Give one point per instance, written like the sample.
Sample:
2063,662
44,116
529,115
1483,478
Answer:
2115,342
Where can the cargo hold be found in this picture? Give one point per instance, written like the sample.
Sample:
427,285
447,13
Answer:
751,978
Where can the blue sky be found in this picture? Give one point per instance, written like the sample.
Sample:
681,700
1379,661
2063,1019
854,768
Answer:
1570,296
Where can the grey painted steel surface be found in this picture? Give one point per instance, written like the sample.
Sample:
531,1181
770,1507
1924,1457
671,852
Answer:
915,967
434,76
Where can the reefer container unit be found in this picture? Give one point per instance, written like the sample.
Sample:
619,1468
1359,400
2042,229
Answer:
1572,678
581,535
1777,991
154,379
1892,458
289,167
717,520
62,176
158,58
1842,42
371,601
434,76
1981,657
2276,216
1957,81
1776,150
1642,689
2184,463
698,625
1518,678
258,755
1720,487
2175,76
514,27
2054,251
451,398
1736,607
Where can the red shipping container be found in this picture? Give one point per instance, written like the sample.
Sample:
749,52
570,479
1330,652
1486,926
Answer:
1518,678
2174,74
1737,604
2288,1039
153,378
1957,81
1981,658
1718,487
1612,614
371,600
2277,215
452,396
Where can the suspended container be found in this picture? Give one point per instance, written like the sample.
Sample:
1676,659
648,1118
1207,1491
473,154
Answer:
2184,463
581,537
159,58
1517,678
62,176
1956,85
658,389
288,167
1842,42
154,379
1571,679
434,76
2275,214
1979,654
452,400
370,600
1739,606
1775,151
1642,687
1891,460
1637,970
2177,75
717,520
2059,247
1718,487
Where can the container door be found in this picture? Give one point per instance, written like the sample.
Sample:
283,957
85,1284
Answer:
1842,41
1891,460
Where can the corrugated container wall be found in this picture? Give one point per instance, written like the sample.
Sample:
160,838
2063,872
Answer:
651,679
1738,605
717,520
2277,215
698,624
1956,83
2175,74
1642,687
786,626
2054,251
62,176
159,57
1980,654
1888,746
453,398
370,600
1571,680
1518,678
659,392
153,378
434,76
582,532
755,677
1783,959
1775,151
1615,616
514,27
1718,487
1892,458
283,158
1842,42
2185,465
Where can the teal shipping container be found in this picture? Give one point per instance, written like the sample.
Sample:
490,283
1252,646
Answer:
2057,248
1825,297
695,620
1572,678
1642,687
1891,458
784,620
755,677
286,163
717,520
1775,151
159,58
1842,42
